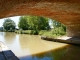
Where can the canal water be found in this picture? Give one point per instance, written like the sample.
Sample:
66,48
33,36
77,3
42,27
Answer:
31,47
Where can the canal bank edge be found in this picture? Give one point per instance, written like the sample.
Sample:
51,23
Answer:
72,40
7,53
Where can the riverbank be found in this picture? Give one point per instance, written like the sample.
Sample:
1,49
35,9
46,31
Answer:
63,39
23,31
48,33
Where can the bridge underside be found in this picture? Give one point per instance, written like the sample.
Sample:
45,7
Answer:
64,11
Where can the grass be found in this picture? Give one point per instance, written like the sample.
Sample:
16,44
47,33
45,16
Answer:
23,31
50,34
54,33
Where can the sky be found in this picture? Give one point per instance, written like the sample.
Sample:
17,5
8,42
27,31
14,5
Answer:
15,19
50,23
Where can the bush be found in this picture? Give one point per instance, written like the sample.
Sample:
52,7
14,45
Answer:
34,32
23,31
54,33
42,32
58,31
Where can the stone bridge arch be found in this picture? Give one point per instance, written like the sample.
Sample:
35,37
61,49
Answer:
64,11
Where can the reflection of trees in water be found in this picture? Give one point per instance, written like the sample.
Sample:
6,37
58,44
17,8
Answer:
66,53
2,33
72,53
32,42
23,40
9,37
51,55
26,41
43,56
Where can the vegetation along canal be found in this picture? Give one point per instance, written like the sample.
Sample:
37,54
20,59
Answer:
31,47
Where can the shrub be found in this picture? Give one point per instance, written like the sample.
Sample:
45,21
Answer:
34,32
42,32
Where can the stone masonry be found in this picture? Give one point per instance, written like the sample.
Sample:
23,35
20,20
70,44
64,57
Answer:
64,11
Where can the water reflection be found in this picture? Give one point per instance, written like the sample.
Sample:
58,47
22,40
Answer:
72,53
2,33
31,47
43,56
9,37
36,49
49,55
1,36
34,45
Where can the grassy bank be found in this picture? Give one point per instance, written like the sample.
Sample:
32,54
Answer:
51,33
23,31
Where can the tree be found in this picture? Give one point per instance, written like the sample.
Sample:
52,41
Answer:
59,29
23,24
56,23
43,23
9,25
39,23
33,23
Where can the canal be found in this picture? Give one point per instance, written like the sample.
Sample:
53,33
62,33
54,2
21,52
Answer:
31,47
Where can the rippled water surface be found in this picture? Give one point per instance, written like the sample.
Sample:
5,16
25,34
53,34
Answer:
31,47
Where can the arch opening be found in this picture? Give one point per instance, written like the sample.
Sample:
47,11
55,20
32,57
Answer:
66,12
36,25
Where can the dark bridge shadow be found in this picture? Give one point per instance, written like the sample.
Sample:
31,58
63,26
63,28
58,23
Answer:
74,38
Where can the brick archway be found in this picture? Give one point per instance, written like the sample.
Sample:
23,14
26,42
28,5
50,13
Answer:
64,11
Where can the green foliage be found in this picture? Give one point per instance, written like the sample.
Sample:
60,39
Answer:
43,23
41,32
23,24
33,23
58,30
37,23
40,25
56,23
54,33
23,31
9,25
35,32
